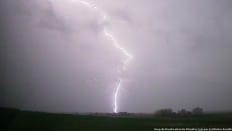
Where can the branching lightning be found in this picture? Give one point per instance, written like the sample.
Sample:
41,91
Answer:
115,43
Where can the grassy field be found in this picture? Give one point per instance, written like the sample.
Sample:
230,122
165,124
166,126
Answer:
16,120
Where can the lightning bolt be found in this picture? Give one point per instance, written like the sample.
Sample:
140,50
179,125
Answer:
115,43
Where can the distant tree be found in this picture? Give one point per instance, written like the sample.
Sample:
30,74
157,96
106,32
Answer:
183,112
123,114
197,111
164,112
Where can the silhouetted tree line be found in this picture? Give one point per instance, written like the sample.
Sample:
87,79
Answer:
182,113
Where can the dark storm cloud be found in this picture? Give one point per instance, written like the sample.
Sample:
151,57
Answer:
54,56
122,15
51,20
190,48
35,59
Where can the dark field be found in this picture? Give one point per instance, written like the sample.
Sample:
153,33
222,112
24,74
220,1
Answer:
15,120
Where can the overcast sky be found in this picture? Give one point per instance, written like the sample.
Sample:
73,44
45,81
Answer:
55,57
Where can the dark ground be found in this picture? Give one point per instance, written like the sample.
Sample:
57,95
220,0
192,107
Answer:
16,120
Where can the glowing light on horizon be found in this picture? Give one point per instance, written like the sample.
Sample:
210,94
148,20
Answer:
111,37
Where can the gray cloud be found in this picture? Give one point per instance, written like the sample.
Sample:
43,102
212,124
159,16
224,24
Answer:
55,57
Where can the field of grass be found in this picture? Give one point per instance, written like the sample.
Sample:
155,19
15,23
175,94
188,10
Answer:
16,120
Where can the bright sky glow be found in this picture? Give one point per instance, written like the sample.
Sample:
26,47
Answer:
115,43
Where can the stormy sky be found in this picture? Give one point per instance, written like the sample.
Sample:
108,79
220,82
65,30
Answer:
55,57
